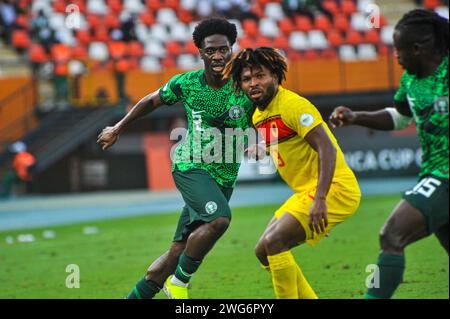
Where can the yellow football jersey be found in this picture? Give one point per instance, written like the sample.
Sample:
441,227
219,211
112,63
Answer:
283,125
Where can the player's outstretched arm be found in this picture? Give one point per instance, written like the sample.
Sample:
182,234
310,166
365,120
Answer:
378,120
110,134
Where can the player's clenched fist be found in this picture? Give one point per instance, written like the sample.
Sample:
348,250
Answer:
107,137
342,116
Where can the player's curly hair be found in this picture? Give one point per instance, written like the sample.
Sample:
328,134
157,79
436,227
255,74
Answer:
251,58
420,24
214,26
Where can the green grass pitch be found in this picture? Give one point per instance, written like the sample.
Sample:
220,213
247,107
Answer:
112,260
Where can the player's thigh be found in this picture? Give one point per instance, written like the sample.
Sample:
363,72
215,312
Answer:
286,231
202,195
404,226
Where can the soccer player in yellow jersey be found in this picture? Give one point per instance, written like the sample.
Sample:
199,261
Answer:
309,161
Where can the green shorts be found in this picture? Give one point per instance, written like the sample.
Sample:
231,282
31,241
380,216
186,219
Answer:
205,199
430,196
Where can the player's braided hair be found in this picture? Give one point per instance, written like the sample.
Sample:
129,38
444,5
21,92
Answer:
214,26
269,57
420,24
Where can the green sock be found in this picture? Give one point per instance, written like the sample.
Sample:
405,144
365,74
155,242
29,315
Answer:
144,289
391,268
186,267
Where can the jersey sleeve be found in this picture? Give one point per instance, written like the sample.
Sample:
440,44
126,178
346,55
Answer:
171,92
301,116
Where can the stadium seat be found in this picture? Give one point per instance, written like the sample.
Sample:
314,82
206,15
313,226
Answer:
347,53
179,32
37,54
22,21
65,36
166,16
331,6
383,50
348,7
372,37
153,5
334,38
322,23
135,49
173,48
387,34
367,52
122,65
250,28
59,6
133,6
169,62
274,11
302,23
317,40
341,22
61,53
75,67
98,51
112,21
188,5
263,42
43,5
101,34
358,22
190,47
281,42
83,36
431,4
298,41
159,32
286,26
147,18
353,37
98,7
293,55
57,21
154,47
80,4
362,5
93,21
79,52
186,61
185,16
268,27
117,49
246,42
61,69
115,6
310,54
150,64
328,54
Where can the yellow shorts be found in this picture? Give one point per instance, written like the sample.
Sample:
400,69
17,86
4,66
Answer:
342,202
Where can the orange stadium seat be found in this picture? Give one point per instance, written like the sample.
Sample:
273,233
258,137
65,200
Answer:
59,6
135,49
353,37
101,34
37,54
322,23
263,42
81,4
303,23
61,53
328,54
431,4
173,48
147,18
122,65
286,26
79,52
281,42
20,39
246,43
341,22
117,49
115,6
22,21
293,55
190,47
348,7
61,69
310,54
331,6
372,36
383,50
257,10
153,5
168,62
185,16
93,21
83,36
172,4
335,38
112,21
250,27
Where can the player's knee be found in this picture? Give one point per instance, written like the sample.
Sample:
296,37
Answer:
219,225
260,251
273,243
391,242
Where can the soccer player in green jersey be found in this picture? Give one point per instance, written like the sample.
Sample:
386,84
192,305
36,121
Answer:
205,185
421,42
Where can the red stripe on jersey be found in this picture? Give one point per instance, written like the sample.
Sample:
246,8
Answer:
274,131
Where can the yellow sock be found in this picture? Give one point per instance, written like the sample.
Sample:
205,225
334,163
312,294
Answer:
267,268
304,289
284,275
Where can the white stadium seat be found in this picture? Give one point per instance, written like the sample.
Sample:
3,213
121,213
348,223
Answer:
317,40
179,32
347,53
299,41
269,28
150,64
274,11
367,52
133,6
386,35
159,32
358,22
186,61
155,48
166,16
98,51
97,7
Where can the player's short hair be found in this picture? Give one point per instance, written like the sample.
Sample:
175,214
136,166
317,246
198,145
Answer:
419,24
254,58
214,26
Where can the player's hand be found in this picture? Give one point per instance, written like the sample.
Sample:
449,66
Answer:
318,219
107,137
256,151
342,116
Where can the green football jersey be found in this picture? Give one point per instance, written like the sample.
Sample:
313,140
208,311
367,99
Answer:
428,101
212,114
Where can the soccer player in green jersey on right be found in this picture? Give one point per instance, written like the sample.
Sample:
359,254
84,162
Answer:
421,42
206,183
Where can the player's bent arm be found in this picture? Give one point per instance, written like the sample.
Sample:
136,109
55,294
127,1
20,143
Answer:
145,106
321,143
